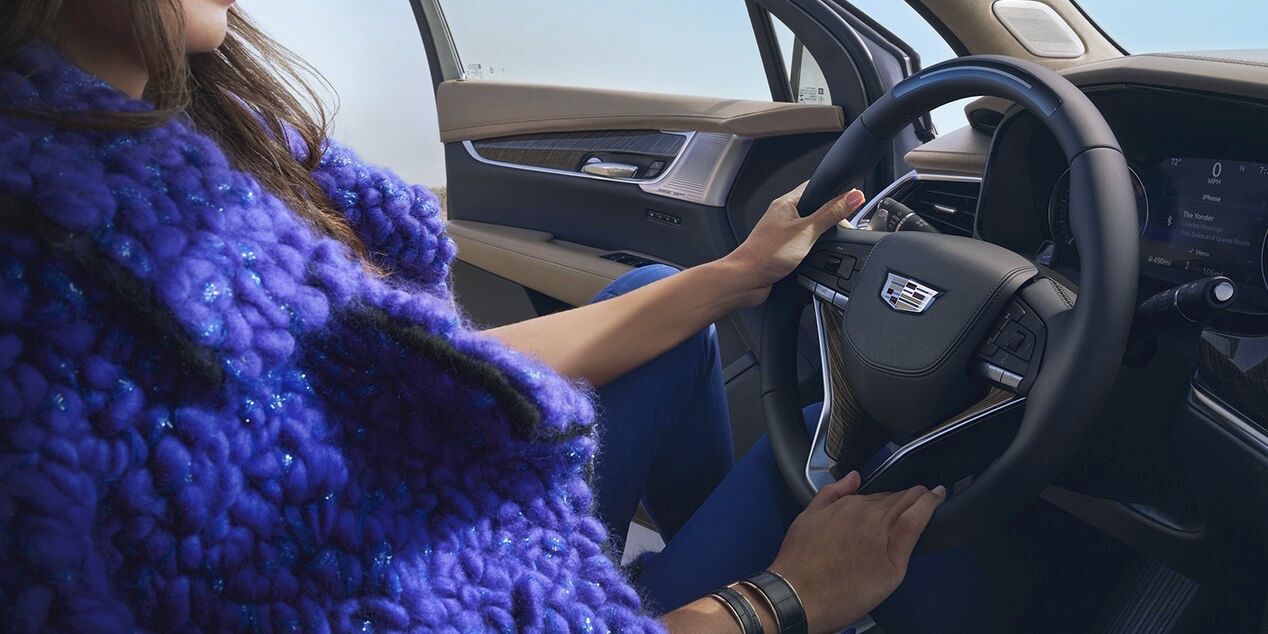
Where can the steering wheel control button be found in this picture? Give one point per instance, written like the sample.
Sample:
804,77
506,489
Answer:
1012,348
835,265
1010,362
846,268
826,294
1016,340
996,374
1011,380
992,372
825,261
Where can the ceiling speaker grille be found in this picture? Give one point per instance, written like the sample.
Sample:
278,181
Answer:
1039,28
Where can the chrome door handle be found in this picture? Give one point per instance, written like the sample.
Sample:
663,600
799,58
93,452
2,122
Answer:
596,167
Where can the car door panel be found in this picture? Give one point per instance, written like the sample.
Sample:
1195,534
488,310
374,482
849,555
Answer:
491,300
470,110
569,272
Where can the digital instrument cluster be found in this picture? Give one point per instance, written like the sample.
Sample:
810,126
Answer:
1209,216
1199,216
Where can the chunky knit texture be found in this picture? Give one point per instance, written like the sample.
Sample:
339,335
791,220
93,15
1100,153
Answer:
213,419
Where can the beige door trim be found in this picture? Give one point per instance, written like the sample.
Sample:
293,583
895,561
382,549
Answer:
472,110
569,272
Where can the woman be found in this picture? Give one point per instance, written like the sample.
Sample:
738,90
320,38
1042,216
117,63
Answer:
235,392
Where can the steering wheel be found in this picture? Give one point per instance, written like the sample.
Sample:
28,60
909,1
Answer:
973,359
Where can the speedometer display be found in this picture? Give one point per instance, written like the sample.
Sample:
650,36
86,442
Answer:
1198,217
1212,217
1059,208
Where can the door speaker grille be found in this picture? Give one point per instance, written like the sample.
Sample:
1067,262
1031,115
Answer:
699,164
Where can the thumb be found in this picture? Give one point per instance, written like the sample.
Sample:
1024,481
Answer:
849,485
837,209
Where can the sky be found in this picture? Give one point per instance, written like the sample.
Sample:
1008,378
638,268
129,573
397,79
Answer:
371,52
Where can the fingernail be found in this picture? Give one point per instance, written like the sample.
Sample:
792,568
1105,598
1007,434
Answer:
940,490
854,198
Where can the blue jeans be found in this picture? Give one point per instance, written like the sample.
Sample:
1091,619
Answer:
666,442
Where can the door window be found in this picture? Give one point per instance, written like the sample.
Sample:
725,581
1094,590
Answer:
662,46
903,21
805,77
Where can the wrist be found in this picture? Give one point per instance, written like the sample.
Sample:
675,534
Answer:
745,285
813,604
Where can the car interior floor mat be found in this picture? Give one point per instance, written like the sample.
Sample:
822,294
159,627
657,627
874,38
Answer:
1155,600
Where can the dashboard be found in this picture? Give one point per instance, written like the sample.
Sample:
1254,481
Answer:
1200,171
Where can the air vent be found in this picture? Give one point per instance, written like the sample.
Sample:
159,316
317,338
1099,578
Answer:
951,206
985,120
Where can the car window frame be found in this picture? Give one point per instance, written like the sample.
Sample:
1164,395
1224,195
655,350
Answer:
449,66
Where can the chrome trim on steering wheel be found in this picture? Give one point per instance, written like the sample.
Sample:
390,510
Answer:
819,464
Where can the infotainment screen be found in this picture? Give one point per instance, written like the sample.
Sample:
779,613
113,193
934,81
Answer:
1209,217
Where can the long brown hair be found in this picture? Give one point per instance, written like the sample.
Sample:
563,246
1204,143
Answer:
250,79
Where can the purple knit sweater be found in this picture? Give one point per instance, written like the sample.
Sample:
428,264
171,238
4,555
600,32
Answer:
213,419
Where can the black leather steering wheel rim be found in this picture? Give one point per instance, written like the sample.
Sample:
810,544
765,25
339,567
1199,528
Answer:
1076,375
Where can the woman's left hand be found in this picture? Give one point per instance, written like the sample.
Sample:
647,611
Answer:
782,238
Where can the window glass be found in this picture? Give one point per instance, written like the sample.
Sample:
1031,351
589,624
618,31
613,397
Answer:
1152,26
903,21
806,78
663,46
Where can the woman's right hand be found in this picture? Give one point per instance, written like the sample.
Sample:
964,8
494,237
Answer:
846,553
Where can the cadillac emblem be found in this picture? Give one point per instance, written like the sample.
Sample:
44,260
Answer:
906,295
